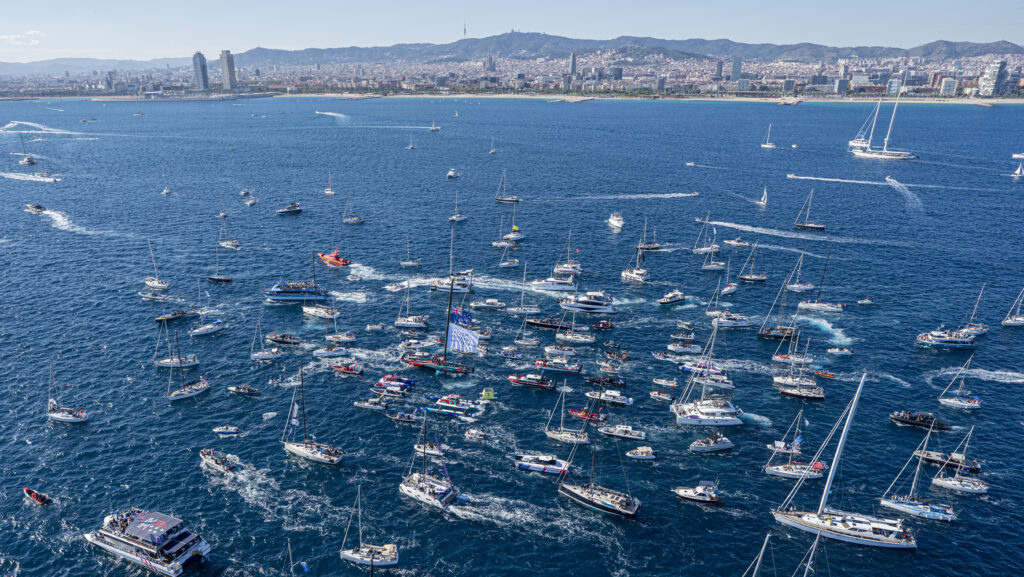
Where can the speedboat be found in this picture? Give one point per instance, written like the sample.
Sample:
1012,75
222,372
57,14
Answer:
622,432
554,284
589,302
604,325
178,314
918,419
35,208
685,349
672,297
541,463
285,339
244,390
510,352
737,243
352,368
560,351
487,304
293,208
642,453
151,540
704,492
616,220
231,244
611,396
712,443
217,460
532,380
373,404
666,382
333,259
452,173
226,431
606,381
839,351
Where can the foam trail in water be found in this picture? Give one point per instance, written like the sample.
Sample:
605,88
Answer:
29,177
62,221
838,337
334,114
23,127
54,109
846,180
912,200
641,196
802,235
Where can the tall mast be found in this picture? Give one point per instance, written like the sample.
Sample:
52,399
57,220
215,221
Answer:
156,274
839,448
302,401
825,268
810,556
874,120
760,556
885,143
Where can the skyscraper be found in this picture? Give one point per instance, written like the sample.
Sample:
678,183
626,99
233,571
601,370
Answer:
227,70
489,65
718,71
200,77
572,64
991,82
737,68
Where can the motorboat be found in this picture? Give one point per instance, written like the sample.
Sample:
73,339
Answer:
560,351
603,325
704,492
333,259
352,368
685,348
149,539
606,381
672,297
541,463
288,339
642,453
737,243
622,432
35,208
731,320
292,208
591,302
226,431
610,396
474,435
329,351
217,460
487,304
532,380
510,352
451,174
558,364
616,220
712,443
919,419
666,382
244,390
839,351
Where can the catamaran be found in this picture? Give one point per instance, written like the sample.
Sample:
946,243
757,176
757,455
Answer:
747,272
959,482
154,282
308,448
805,210
768,138
910,503
372,555
1013,316
861,529
960,399
710,410
429,489
156,541
884,154
818,305
502,194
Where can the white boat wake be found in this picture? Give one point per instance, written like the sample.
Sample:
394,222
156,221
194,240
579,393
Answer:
912,200
61,221
334,114
838,337
641,196
846,180
24,127
28,177
803,235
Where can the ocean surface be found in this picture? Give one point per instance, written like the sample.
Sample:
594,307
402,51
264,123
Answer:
69,278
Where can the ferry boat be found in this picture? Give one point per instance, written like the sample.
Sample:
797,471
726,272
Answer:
295,292
589,302
155,541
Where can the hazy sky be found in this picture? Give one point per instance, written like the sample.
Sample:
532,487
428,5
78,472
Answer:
143,30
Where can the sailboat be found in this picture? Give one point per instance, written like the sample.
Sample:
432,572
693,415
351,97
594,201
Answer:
1013,317
457,216
55,412
747,272
154,281
514,235
779,331
883,154
426,488
308,448
797,285
167,189
754,569
185,390
594,496
207,326
462,282
805,210
764,199
373,555
971,327
492,150
730,287
410,262
710,264
348,217
1019,172
710,410
174,358
410,147
911,503
859,141
433,123
825,521
263,354
409,321
502,194
523,308
571,265
768,138
960,399
562,434
792,469
216,277
26,158
507,261
329,191
818,305
959,482
637,272
709,244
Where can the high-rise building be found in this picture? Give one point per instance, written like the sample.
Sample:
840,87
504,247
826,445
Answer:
948,87
893,86
661,84
841,86
615,72
789,85
200,77
489,63
992,80
718,70
227,70
737,68
572,63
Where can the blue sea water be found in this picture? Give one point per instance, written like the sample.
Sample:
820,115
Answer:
70,278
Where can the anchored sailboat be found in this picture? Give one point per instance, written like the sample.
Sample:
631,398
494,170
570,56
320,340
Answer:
960,399
818,305
373,555
768,138
911,503
805,210
154,281
748,272
308,448
866,151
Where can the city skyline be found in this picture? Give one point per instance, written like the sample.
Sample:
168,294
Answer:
112,29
